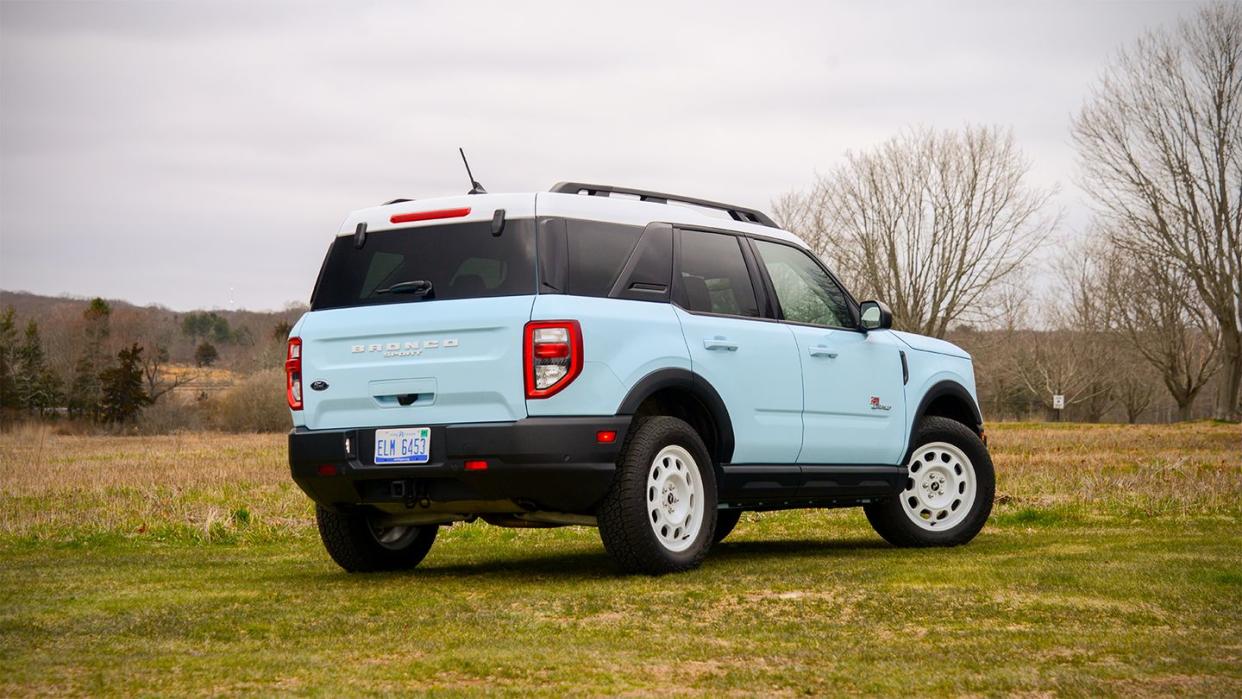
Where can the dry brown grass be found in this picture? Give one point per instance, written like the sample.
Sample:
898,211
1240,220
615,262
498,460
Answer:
213,485
34,460
1192,468
199,484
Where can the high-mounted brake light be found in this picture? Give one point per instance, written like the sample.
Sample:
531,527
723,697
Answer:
551,356
430,215
293,374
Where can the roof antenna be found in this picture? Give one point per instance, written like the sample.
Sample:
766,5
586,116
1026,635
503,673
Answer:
475,187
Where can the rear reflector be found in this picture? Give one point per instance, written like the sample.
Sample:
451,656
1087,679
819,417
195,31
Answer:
430,215
327,470
476,465
606,436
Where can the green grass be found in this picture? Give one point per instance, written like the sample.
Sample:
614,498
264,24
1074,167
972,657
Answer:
1074,589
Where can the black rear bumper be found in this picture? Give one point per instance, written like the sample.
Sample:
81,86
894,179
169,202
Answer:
549,463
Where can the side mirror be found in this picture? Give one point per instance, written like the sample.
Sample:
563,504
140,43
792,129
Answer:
876,315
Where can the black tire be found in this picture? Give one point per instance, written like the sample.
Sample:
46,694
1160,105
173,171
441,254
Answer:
623,515
353,544
726,520
889,517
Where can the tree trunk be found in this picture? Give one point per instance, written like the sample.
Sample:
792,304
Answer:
1183,410
1230,375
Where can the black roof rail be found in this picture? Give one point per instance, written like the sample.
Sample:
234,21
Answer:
737,213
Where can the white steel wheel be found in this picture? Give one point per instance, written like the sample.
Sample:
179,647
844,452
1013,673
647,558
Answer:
940,486
675,498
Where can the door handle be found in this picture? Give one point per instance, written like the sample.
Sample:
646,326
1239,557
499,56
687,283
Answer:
719,343
822,351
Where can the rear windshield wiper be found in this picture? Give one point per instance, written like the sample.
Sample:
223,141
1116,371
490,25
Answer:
418,287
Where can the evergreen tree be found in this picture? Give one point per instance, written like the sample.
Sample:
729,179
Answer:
8,363
206,354
208,326
38,387
124,395
85,393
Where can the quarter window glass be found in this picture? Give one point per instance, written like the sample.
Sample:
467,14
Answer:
649,278
597,251
713,275
806,293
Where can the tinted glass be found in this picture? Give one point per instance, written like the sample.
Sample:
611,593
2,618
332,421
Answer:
805,292
553,269
649,272
461,260
713,276
597,252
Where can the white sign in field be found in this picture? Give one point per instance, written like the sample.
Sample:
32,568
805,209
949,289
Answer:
1058,402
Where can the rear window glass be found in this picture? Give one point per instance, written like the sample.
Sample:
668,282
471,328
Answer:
458,261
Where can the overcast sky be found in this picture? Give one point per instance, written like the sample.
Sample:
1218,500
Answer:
202,155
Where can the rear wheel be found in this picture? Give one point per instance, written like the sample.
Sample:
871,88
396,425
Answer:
948,492
359,545
726,520
660,514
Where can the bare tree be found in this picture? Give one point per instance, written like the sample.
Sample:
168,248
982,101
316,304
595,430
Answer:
1059,362
1156,310
1161,147
157,381
930,222
1084,314
1136,391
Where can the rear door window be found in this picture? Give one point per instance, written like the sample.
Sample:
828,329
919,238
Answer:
459,261
712,275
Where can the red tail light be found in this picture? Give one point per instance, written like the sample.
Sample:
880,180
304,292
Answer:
551,355
293,373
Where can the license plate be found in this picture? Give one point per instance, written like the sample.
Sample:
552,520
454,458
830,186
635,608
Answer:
410,445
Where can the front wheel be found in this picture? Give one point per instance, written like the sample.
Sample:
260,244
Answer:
660,514
359,545
948,491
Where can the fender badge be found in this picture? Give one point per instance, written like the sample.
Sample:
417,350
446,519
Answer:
875,403
319,386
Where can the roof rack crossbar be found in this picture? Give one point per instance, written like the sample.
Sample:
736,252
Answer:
737,213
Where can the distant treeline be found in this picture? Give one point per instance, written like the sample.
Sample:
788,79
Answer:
111,363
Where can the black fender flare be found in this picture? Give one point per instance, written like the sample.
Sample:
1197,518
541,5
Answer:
940,389
698,387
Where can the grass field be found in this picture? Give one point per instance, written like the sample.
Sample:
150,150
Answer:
189,564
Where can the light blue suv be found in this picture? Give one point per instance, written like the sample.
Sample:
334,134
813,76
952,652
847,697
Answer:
647,363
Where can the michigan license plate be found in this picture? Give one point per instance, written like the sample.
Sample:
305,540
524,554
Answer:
410,445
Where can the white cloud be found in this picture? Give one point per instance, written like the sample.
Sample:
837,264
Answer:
167,152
